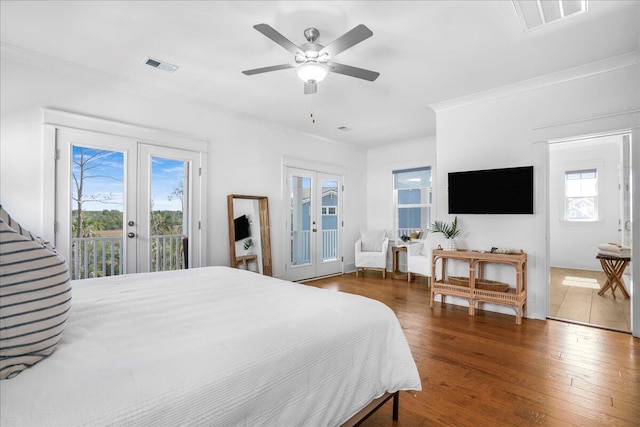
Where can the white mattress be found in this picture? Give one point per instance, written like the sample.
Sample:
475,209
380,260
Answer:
213,346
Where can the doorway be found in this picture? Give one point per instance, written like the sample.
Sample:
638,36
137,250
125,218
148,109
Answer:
589,205
125,207
313,225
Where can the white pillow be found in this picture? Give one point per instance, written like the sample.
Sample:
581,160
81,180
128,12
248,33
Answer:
372,240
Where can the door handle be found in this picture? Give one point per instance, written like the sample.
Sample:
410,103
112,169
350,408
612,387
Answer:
314,230
627,225
131,235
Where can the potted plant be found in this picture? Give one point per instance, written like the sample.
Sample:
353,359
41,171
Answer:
450,231
248,246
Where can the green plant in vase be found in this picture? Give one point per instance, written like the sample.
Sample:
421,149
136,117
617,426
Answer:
248,246
450,232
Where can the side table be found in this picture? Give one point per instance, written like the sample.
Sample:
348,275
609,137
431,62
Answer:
613,267
246,259
395,254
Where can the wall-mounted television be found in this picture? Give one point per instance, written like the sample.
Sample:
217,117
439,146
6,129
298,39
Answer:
241,226
492,191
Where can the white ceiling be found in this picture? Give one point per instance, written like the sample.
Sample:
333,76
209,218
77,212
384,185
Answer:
426,52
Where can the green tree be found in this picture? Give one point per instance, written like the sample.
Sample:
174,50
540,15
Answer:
84,163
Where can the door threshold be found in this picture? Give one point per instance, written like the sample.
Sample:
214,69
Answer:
311,279
591,325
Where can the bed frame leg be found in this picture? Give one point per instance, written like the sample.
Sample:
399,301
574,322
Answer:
396,404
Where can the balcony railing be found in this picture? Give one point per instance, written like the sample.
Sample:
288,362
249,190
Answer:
329,246
404,232
166,252
103,256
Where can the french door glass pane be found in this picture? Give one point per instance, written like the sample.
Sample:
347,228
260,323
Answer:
300,220
168,219
97,178
329,220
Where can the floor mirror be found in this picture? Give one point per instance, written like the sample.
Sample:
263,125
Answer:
249,233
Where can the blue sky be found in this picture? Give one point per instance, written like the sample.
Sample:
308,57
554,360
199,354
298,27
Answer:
104,180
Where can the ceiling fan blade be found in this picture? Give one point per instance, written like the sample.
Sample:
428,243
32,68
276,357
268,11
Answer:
348,70
271,33
267,69
348,39
310,88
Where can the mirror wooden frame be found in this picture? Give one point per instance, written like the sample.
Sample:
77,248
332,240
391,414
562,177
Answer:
265,231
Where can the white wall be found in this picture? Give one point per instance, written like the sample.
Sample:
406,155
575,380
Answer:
244,157
499,132
573,244
381,162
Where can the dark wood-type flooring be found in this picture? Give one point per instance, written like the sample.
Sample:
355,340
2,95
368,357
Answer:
487,371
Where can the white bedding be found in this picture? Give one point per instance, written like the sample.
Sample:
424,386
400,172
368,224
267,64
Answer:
213,346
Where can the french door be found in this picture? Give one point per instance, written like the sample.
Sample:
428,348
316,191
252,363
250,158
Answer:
314,224
124,206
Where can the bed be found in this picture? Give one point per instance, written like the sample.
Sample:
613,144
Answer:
212,346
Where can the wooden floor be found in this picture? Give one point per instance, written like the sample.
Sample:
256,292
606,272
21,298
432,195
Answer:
574,296
487,371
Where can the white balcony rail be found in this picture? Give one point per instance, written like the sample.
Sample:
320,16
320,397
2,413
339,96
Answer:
329,246
95,257
166,252
103,256
404,232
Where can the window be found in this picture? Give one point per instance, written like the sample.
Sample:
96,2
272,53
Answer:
412,199
329,210
581,195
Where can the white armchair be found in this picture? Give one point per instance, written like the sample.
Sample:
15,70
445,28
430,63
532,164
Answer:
419,259
371,251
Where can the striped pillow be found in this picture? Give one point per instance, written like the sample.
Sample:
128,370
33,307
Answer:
35,297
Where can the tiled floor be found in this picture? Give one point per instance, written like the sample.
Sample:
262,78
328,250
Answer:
574,296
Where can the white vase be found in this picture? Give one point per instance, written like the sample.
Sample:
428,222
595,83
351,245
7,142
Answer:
451,245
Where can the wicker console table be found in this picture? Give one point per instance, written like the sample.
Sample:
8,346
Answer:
515,297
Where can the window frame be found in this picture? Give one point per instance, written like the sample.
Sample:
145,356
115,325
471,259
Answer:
428,204
568,199
326,210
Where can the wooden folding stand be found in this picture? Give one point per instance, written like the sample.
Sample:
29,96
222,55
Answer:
613,267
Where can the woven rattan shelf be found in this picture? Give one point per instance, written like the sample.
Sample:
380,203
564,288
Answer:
475,287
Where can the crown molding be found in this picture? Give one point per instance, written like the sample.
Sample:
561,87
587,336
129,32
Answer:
606,65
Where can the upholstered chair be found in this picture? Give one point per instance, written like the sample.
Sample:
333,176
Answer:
419,259
371,251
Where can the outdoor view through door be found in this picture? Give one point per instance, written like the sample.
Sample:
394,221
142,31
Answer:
122,206
97,212
314,224
169,216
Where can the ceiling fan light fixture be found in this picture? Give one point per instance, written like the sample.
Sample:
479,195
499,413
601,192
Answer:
312,72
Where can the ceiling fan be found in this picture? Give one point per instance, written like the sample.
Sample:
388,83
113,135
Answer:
312,60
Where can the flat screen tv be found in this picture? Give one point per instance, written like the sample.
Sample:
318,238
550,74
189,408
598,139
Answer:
241,226
492,191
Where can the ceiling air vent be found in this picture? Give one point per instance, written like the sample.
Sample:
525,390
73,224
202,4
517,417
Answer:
160,65
534,14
